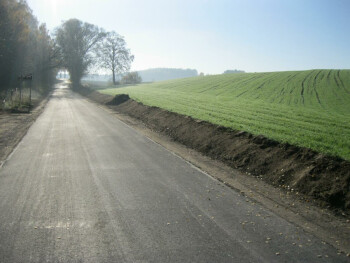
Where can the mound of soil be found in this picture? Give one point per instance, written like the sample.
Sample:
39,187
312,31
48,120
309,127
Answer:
119,99
325,179
94,95
103,98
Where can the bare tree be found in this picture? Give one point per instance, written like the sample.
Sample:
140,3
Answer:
77,41
113,54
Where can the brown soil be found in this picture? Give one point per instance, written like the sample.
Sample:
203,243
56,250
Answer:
310,175
14,125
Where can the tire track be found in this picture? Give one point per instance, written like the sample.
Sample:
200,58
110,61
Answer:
303,87
341,82
282,91
293,76
241,94
315,89
329,83
329,75
290,77
336,80
252,78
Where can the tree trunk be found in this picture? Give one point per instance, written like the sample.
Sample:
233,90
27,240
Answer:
113,77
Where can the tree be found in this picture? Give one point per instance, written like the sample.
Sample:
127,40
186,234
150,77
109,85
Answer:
25,47
77,41
113,54
48,57
131,78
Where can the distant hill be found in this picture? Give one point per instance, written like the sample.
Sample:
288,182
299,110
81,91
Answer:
159,74
230,71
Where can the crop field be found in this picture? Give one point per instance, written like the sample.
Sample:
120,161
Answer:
304,108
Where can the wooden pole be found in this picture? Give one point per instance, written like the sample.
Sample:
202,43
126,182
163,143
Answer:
30,92
20,92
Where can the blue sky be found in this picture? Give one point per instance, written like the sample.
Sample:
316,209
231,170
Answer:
214,35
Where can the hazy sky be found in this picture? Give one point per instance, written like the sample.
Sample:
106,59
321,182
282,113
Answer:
214,35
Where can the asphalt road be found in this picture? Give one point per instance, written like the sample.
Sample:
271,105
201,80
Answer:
82,186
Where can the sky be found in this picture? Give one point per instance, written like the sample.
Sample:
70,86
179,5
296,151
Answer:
215,35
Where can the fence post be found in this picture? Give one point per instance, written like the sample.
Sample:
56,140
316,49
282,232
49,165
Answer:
20,91
30,92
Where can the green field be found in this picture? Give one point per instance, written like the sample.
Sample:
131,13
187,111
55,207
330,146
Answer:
305,108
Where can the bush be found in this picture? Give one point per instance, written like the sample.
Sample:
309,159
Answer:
131,78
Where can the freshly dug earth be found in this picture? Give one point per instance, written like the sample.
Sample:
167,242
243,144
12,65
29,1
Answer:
323,178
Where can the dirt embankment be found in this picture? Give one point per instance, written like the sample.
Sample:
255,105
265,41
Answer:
305,172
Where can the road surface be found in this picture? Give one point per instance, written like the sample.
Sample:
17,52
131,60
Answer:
82,186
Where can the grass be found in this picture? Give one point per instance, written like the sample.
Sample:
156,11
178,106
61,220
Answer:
305,108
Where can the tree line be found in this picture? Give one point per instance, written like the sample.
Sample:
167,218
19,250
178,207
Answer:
27,47
84,45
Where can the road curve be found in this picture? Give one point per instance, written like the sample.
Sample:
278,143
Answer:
82,186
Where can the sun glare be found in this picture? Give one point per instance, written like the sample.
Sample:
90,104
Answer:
54,3
53,6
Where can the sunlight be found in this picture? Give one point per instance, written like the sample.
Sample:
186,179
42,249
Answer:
53,6
54,3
